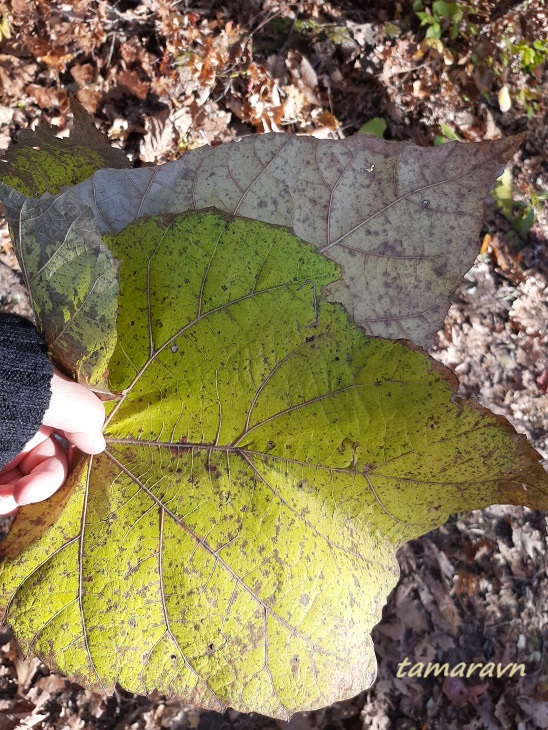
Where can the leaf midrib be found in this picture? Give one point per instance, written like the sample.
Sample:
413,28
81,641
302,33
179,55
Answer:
246,455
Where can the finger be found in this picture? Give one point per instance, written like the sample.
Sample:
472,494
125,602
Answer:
75,410
8,505
41,435
11,476
45,450
45,478
90,443
44,481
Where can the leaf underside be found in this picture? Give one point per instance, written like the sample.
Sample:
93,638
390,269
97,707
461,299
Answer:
402,221
71,277
72,280
235,543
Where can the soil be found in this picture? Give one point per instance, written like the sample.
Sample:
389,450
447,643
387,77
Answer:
160,78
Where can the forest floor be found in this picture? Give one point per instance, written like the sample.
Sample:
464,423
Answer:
162,77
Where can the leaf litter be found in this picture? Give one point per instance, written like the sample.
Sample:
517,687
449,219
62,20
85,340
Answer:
350,96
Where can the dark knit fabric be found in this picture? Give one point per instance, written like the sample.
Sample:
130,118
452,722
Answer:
25,384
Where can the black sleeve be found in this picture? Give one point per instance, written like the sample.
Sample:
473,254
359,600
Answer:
25,384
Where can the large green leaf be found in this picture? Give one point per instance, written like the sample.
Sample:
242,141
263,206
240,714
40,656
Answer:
235,543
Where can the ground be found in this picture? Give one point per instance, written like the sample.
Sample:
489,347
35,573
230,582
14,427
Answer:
160,78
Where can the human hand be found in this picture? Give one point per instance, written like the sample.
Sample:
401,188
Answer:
41,468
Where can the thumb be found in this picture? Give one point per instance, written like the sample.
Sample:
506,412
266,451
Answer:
76,411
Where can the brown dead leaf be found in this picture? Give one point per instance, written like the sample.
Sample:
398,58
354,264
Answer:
487,239
20,9
211,121
52,683
395,630
459,693
14,713
326,119
15,74
515,560
18,704
48,97
182,122
542,381
6,116
167,86
137,58
130,50
56,58
134,84
26,670
304,77
83,74
505,260
466,583
158,142
307,74
89,99
171,24
419,91
536,711
398,59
